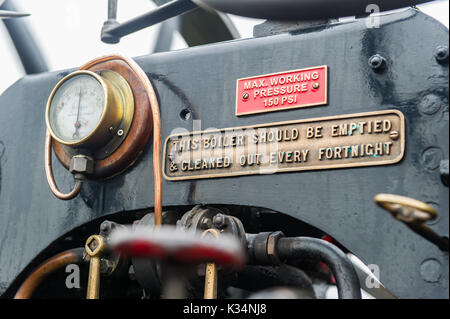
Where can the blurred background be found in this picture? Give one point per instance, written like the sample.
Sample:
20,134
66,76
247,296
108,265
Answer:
68,32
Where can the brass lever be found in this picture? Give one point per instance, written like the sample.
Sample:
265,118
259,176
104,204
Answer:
211,271
414,214
95,246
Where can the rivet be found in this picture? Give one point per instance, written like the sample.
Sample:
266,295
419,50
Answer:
441,53
316,85
430,104
120,132
431,157
430,270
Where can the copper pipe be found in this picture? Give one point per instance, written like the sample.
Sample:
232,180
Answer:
157,171
72,256
49,173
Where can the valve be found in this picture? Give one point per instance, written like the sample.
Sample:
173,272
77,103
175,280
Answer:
414,214
179,253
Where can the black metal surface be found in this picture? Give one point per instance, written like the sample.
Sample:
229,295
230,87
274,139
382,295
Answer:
201,81
32,59
305,9
306,248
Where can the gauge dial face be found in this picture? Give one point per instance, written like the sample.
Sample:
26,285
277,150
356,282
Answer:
76,108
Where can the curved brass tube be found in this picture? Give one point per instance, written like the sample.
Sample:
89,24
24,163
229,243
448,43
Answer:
49,173
420,212
156,127
48,267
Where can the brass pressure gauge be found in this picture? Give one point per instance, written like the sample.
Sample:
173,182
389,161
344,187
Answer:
90,111
99,120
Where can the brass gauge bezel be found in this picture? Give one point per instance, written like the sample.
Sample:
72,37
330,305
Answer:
116,118
120,152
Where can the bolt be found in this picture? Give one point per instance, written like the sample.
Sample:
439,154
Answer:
245,96
316,85
441,53
377,62
106,226
394,135
81,164
120,132
219,221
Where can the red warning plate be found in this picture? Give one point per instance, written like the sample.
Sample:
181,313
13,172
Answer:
282,91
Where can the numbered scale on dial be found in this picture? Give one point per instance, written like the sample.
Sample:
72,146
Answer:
90,110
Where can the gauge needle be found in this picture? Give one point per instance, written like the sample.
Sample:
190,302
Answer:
77,122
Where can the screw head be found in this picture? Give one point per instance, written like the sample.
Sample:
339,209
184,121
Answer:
394,135
377,62
316,85
245,96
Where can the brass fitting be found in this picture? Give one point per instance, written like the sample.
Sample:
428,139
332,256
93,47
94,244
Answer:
95,245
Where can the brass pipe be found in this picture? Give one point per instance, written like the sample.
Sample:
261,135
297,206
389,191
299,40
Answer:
157,170
211,271
49,173
72,256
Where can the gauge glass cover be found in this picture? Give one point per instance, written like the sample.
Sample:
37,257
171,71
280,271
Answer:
76,108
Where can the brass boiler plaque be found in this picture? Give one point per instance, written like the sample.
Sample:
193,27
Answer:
353,140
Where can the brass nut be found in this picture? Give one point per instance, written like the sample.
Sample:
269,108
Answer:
81,164
271,247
